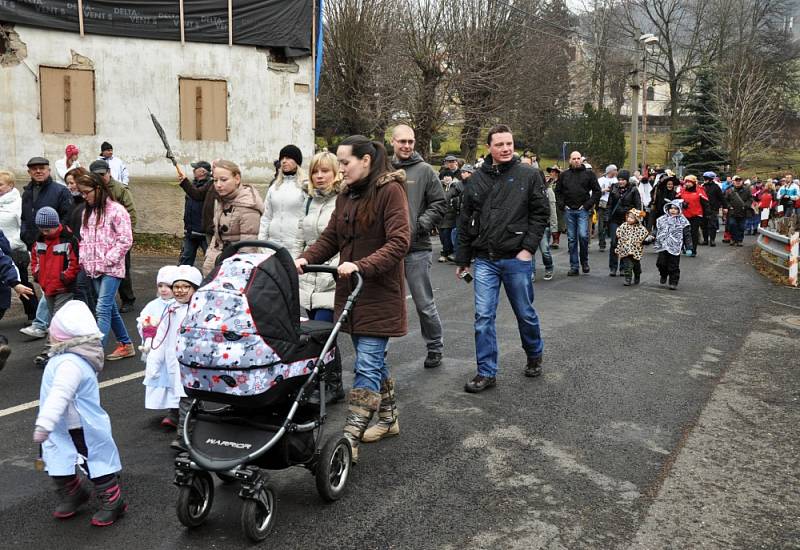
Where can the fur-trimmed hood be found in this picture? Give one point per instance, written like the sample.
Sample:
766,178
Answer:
398,175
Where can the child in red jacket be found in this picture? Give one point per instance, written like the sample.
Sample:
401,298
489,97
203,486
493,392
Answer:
54,259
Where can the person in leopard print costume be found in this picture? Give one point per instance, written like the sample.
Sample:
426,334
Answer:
630,245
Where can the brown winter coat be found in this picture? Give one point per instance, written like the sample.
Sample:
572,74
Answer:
236,218
378,251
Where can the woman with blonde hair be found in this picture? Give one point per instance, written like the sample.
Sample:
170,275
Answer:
285,201
317,290
236,213
10,220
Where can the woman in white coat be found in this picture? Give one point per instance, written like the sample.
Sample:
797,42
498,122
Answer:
317,290
10,216
284,203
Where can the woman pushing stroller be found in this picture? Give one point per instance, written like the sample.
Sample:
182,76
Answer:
369,229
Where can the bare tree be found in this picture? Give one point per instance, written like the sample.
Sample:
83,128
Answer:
679,25
426,81
747,107
359,90
482,40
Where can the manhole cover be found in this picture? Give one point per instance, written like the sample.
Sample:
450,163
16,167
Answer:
792,321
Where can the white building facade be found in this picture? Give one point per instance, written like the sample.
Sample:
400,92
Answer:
236,102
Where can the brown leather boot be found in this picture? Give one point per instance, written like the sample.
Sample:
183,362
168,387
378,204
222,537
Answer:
387,424
362,404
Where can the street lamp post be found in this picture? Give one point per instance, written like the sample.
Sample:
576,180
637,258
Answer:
645,40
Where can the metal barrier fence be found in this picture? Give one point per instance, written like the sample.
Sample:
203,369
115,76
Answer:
783,247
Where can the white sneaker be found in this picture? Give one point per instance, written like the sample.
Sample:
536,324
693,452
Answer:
33,332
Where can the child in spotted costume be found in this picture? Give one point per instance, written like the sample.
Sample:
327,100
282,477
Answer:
672,234
630,246
163,374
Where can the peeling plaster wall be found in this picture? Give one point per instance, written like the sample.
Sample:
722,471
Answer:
265,108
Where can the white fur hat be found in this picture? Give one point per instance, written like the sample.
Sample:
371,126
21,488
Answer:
72,320
188,273
167,274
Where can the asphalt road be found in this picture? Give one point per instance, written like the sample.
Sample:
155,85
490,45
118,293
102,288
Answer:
663,420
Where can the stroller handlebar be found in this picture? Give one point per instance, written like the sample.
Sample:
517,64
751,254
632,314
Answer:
312,268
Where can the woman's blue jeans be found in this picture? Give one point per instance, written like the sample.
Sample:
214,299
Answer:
107,313
370,366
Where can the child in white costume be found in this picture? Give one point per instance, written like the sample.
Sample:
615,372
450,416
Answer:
150,316
163,374
71,421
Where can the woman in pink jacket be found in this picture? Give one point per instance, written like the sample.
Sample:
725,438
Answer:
106,237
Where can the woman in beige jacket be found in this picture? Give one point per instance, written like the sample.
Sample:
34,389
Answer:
317,289
237,212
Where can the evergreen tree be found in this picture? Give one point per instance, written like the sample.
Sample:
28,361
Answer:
701,141
604,137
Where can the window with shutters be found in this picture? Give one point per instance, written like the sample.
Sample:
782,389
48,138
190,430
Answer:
204,109
67,101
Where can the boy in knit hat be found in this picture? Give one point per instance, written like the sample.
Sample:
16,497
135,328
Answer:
71,422
54,259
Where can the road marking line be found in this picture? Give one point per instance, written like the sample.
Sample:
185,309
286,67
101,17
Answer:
105,384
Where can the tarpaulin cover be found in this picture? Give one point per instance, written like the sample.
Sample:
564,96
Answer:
280,24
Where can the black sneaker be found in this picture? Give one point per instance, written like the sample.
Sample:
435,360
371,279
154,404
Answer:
572,273
41,360
612,273
433,360
637,279
663,280
480,383
673,286
585,269
534,367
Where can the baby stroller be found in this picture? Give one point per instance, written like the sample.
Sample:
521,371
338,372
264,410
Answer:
249,365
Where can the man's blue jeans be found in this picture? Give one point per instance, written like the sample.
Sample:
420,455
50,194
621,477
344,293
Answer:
370,366
577,234
108,317
544,248
189,249
515,276
613,260
736,228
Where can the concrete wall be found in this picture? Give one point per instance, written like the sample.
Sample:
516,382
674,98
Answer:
269,105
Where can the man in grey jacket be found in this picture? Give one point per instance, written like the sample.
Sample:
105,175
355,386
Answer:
426,206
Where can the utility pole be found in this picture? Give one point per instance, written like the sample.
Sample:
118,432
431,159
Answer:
634,120
645,40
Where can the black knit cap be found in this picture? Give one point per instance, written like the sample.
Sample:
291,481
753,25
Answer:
293,152
106,146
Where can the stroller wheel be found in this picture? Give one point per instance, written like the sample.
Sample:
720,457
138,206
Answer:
333,468
258,515
195,499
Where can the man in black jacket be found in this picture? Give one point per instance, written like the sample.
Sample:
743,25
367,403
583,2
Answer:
577,193
716,200
504,212
194,232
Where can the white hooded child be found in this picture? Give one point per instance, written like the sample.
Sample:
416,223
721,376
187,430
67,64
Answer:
162,376
72,424
150,316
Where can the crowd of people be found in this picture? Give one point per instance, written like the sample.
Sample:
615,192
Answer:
360,210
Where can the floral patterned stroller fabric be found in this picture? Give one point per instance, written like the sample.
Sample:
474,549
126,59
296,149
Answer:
242,335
